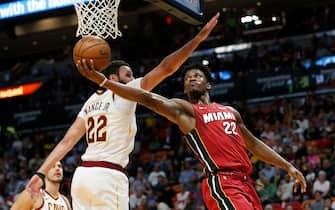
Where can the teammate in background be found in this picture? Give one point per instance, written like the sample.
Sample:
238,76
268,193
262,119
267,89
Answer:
47,199
215,133
110,126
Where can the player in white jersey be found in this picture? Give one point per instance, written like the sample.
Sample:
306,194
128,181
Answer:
47,199
110,126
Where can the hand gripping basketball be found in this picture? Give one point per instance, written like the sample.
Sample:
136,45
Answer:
95,48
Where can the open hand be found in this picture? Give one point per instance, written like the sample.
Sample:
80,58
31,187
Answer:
207,29
34,186
299,179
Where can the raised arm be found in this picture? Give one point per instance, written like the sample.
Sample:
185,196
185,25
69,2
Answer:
72,136
177,111
266,154
172,62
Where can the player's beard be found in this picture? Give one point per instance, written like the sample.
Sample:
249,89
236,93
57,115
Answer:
195,94
121,81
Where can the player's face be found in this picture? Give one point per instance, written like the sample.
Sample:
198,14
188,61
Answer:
55,174
125,74
195,83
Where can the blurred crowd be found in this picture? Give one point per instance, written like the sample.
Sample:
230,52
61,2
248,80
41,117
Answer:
163,173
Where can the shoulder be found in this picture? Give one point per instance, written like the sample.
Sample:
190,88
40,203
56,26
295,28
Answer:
236,113
185,105
231,108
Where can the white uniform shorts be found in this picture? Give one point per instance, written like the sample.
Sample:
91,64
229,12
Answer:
98,188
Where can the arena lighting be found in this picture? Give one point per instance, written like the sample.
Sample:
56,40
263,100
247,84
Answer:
205,62
25,7
249,18
168,20
325,60
225,75
232,48
19,90
258,22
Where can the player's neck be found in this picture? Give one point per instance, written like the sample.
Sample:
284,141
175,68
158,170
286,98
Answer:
204,99
52,189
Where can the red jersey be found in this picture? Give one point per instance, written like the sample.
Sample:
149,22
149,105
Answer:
217,139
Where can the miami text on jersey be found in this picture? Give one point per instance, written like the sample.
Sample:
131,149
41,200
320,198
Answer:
214,116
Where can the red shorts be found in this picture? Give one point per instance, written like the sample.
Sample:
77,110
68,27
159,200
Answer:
227,190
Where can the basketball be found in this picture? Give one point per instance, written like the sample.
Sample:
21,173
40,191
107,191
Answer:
95,48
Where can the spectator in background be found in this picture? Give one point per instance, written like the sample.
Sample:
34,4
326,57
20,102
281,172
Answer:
162,183
328,168
285,189
319,202
151,199
268,207
22,181
302,120
161,205
172,172
321,184
289,207
3,205
139,183
307,206
153,176
136,198
313,156
197,198
268,171
35,161
183,199
267,193
268,135
310,174
187,173
329,204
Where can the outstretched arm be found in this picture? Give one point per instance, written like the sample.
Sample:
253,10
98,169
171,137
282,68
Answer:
172,62
265,153
72,136
177,111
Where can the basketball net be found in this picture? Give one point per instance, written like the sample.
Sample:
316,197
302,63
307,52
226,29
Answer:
97,17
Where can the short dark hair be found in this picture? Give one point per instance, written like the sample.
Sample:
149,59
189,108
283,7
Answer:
113,67
204,69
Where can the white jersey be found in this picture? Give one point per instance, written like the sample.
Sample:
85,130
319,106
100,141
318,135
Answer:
51,203
110,126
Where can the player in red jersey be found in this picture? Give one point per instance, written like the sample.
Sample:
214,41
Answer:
215,133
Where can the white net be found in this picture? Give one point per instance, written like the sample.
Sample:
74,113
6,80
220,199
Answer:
97,17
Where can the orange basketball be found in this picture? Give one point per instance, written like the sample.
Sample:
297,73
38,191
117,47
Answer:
93,47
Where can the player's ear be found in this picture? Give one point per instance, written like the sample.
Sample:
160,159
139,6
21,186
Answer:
114,77
208,86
